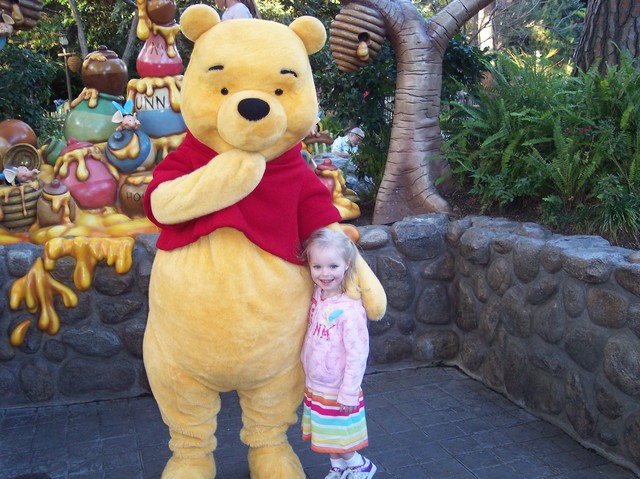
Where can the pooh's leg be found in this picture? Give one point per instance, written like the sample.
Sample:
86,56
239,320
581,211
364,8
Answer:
267,412
190,410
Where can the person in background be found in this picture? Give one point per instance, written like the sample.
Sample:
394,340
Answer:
334,358
233,9
347,146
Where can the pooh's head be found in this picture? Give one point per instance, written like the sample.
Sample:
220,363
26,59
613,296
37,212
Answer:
249,84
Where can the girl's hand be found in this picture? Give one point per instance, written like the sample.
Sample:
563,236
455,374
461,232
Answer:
347,409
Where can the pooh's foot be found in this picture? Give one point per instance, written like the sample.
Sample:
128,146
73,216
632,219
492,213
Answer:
190,468
274,462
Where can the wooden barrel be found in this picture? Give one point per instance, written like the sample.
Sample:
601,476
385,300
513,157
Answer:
18,205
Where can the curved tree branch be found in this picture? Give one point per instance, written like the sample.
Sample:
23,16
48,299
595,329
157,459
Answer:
451,18
414,160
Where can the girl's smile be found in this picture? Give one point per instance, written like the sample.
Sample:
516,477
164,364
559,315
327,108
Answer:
327,270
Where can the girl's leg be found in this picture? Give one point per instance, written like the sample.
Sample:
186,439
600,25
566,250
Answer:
346,456
352,459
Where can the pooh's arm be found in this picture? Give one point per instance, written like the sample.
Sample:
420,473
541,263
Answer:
220,183
371,291
367,286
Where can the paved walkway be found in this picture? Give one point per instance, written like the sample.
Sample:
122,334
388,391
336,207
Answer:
423,423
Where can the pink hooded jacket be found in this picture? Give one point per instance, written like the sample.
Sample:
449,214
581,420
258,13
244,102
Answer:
335,350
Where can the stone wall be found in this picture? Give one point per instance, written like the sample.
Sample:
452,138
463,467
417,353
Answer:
97,353
552,322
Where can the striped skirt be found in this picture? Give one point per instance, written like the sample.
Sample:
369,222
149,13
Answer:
329,429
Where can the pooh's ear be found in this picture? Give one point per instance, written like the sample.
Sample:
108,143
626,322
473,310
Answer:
311,31
197,19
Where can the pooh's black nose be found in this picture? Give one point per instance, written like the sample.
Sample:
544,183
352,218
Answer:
253,109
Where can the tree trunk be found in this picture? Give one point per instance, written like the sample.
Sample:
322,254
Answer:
82,39
131,39
408,186
608,25
485,28
414,160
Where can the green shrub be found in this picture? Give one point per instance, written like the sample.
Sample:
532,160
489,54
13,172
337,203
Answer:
371,161
540,26
52,125
572,144
463,67
617,209
490,140
24,84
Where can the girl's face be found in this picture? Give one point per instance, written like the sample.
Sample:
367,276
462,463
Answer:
220,4
327,268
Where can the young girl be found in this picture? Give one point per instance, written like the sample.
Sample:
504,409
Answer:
334,357
237,9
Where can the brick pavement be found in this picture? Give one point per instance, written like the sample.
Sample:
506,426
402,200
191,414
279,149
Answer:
423,423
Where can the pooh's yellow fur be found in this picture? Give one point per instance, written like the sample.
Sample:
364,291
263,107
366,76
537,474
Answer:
224,314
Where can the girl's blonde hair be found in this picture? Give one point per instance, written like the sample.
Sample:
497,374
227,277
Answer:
328,238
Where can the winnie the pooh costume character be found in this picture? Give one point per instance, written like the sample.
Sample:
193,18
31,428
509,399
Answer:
228,296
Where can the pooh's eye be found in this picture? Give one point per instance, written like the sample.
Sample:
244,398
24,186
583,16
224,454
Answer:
279,92
224,91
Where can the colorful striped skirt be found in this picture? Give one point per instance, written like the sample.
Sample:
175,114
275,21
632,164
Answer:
329,429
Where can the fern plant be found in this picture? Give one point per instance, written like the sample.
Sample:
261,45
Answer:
618,208
570,143
490,140
569,169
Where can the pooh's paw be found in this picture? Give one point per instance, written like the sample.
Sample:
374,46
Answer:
368,288
249,164
234,175
274,462
190,468
375,304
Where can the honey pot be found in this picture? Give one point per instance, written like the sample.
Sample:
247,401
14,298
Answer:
55,206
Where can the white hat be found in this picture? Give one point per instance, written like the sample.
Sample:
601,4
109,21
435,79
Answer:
357,131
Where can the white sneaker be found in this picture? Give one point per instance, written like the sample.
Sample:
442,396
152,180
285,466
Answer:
364,471
334,473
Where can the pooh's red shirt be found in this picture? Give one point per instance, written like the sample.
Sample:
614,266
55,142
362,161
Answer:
284,209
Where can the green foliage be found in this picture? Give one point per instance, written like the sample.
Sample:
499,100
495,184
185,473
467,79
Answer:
570,143
371,161
325,10
485,140
428,8
618,207
24,85
360,97
463,67
275,11
105,23
540,25
51,125
44,38
363,98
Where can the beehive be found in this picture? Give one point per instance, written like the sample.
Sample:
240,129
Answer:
18,205
25,13
356,36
